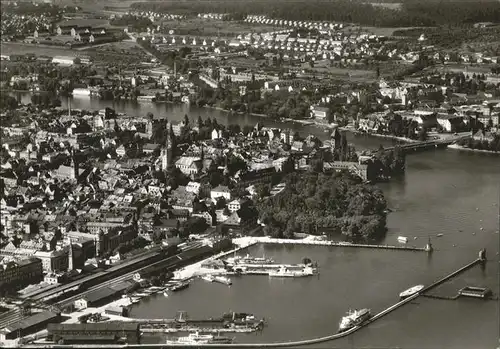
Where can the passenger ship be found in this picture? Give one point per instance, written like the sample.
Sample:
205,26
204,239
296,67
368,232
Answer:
354,318
196,338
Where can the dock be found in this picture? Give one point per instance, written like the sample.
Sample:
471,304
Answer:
312,341
310,242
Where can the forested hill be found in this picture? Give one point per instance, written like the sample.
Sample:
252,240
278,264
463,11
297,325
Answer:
411,12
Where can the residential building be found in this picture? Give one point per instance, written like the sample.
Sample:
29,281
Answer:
319,112
220,191
15,275
189,165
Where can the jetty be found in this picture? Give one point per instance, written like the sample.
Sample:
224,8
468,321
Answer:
480,260
313,242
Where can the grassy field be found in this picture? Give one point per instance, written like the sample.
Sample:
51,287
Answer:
81,22
124,52
10,48
347,74
200,27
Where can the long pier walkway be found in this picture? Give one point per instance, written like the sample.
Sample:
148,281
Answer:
294,343
267,240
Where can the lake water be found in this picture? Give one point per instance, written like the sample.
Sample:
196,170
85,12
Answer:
444,191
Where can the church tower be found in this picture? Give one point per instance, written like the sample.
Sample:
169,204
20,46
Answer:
149,129
70,257
166,151
74,166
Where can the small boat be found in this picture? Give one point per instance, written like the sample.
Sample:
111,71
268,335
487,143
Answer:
411,291
402,239
208,278
179,286
165,294
439,235
223,280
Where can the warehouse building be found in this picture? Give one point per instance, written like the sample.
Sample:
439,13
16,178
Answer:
94,333
103,295
29,325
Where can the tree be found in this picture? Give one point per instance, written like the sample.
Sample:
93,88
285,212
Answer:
220,203
7,102
263,190
422,134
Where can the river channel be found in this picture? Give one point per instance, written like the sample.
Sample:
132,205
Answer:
443,192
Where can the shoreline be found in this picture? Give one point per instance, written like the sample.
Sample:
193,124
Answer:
461,148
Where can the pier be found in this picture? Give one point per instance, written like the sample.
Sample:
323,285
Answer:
268,240
306,342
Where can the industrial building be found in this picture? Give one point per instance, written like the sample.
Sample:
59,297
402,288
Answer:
94,333
103,295
29,325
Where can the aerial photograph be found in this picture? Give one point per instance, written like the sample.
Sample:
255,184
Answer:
250,174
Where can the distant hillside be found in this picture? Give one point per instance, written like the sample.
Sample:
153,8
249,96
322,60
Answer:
409,13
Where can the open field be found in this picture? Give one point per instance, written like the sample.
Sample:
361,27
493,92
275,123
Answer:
385,31
10,48
200,27
470,68
81,22
117,52
350,73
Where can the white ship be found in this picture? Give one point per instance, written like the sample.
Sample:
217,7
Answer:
402,239
196,338
248,260
284,272
223,280
411,291
354,318
208,278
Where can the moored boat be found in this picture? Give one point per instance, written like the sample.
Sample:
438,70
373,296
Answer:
284,272
411,291
179,286
223,280
208,278
248,260
354,318
196,338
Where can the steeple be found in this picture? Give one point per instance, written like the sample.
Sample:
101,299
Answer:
74,164
70,257
166,151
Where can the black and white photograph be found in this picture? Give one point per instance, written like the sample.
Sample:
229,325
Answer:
316,174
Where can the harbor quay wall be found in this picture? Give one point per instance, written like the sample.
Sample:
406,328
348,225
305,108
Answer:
290,343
